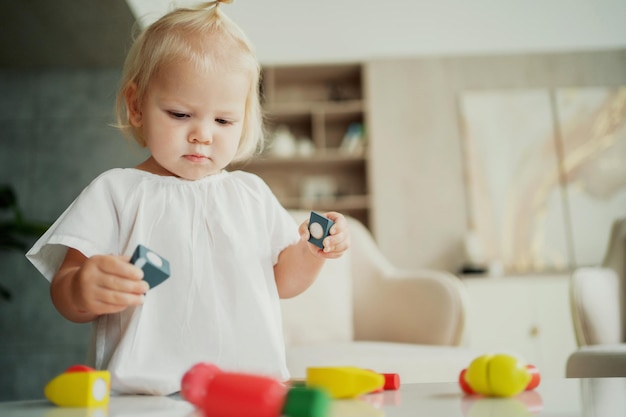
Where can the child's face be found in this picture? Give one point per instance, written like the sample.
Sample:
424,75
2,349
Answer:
192,120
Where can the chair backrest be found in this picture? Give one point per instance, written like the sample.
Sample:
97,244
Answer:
322,313
405,305
615,259
598,295
356,296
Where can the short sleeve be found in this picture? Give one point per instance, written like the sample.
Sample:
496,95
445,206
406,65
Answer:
284,230
281,226
88,225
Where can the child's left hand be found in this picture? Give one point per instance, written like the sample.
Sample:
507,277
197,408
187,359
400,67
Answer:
336,243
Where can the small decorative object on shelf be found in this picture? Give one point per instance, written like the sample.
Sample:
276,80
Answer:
305,147
317,114
319,188
282,142
475,262
353,141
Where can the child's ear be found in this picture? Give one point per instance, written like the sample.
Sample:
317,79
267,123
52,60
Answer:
132,104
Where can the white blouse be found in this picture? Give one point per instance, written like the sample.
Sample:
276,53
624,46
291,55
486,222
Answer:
222,236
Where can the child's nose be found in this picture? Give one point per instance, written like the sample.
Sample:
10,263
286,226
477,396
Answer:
202,133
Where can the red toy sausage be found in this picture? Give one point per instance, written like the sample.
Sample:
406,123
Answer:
229,394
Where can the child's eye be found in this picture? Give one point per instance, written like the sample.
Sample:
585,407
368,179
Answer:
223,121
178,115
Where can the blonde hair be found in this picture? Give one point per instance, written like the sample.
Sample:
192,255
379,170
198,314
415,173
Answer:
208,39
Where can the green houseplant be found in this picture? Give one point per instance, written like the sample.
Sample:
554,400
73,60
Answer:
15,231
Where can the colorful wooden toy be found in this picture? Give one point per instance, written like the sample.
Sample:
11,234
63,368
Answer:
319,229
498,375
392,382
156,269
535,377
79,386
229,394
344,382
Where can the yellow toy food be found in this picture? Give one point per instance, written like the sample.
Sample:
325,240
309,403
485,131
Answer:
344,382
79,386
497,375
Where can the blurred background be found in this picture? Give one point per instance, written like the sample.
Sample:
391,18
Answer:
414,65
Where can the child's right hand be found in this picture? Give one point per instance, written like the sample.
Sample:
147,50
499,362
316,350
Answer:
85,288
108,284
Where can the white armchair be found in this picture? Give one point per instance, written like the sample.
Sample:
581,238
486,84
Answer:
598,302
362,311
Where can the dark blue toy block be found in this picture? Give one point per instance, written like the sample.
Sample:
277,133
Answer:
156,269
319,229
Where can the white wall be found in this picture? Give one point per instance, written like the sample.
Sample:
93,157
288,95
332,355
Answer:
297,31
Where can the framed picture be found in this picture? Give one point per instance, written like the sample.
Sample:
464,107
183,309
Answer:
545,174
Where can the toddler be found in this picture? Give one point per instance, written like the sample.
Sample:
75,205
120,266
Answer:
189,93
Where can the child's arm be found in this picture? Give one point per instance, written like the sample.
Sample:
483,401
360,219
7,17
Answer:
299,264
85,288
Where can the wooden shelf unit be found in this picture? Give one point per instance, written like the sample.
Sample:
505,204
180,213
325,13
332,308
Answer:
317,103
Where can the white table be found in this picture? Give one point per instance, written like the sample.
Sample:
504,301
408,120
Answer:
603,397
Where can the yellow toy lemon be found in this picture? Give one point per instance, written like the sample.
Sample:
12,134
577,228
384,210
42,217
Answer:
79,386
476,375
499,375
344,382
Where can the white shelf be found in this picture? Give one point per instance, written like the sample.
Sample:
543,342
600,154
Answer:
319,103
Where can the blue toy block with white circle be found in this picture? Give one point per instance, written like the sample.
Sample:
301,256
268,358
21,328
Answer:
319,229
156,268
